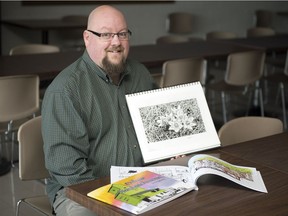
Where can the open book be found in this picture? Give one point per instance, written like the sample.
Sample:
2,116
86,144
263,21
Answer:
141,192
172,121
199,165
140,189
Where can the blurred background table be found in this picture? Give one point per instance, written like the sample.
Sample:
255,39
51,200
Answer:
45,25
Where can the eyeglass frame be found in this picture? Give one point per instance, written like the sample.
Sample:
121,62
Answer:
98,34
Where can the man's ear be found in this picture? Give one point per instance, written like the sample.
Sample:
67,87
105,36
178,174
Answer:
86,37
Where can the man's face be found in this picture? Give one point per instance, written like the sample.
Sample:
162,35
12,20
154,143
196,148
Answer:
108,54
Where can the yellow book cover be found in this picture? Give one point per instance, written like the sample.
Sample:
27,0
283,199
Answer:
141,192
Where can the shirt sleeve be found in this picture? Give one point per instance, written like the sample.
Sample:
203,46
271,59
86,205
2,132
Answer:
66,144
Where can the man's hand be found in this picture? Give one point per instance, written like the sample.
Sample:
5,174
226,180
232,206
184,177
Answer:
178,156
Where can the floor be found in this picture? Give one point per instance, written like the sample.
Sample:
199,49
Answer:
12,188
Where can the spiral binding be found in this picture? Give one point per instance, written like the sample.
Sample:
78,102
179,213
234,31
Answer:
163,89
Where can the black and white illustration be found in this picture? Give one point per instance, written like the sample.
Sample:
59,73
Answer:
172,120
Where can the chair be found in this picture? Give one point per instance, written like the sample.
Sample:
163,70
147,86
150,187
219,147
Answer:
172,39
180,23
219,63
248,128
263,18
260,32
33,49
281,79
271,57
180,71
216,35
27,49
73,38
243,72
19,100
32,163
166,39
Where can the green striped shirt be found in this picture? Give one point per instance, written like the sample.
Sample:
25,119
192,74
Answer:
86,125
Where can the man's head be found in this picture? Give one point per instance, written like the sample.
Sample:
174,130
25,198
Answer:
109,54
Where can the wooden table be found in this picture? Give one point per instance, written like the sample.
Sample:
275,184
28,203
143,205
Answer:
45,25
282,13
277,43
155,55
270,151
218,196
47,66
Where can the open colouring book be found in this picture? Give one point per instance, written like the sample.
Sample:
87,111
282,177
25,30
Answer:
199,165
140,189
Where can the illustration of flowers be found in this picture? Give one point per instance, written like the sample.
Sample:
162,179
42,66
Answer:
172,120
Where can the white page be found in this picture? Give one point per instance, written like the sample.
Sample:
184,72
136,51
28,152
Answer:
172,121
180,173
246,176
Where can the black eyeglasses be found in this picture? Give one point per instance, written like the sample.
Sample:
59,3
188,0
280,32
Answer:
125,35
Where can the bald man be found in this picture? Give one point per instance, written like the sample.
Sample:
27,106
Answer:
86,125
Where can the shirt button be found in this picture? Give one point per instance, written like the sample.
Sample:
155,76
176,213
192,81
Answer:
135,146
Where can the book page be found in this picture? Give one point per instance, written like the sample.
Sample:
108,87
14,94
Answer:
246,176
172,121
180,173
